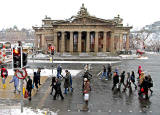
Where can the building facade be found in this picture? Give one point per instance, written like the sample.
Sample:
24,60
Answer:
83,33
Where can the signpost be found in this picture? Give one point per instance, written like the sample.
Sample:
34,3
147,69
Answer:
19,61
52,53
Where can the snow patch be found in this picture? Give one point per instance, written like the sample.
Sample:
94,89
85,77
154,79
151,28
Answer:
26,111
81,62
46,72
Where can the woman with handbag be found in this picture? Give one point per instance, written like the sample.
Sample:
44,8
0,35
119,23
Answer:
86,90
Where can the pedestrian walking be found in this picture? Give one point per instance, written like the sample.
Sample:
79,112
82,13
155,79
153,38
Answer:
115,80
58,90
36,80
139,70
128,82
16,83
142,76
53,84
87,75
4,75
109,73
29,87
116,70
87,89
144,87
86,67
39,76
150,84
122,78
104,73
59,71
67,81
133,79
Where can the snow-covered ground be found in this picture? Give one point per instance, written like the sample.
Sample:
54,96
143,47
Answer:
134,56
26,111
153,53
81,62
46,72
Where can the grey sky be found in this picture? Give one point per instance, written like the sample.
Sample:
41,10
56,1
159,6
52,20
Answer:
27,13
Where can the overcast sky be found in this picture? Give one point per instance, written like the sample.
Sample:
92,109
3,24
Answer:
27,13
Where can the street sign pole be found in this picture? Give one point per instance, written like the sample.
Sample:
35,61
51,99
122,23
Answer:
52,65
21,83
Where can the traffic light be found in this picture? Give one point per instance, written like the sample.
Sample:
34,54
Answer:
24,59
16,58
52,50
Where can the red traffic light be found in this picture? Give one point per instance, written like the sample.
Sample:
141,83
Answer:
52,48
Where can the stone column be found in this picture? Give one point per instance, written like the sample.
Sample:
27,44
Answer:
43,41
71,42
36,41
88,42
112,43
55,41
121,42
96,42
127,42
62,42
104,41
118,43
79,42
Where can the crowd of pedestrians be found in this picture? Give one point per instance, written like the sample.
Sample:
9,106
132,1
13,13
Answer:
144,82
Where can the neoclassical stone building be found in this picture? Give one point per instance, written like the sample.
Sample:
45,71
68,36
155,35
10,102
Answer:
83,33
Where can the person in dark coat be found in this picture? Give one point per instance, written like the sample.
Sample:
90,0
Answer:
58,90
115,80
59,71
53,84
67,81
128,82
133,79
36,80
87,75
109,73
122,77
150,83
39,75
145,86
29,87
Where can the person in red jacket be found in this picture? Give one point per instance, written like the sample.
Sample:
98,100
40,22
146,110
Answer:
4,74
139,71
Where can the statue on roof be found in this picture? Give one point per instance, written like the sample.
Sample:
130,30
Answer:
46,17
83,11
118,20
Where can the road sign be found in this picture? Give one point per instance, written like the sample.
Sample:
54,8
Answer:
21,73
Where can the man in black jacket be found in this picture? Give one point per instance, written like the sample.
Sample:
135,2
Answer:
29,87
58,90
115,80
122,77
39,75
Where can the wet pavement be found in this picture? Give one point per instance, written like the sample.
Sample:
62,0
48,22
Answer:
102,99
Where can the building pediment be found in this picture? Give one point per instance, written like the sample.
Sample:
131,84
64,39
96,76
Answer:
91,20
